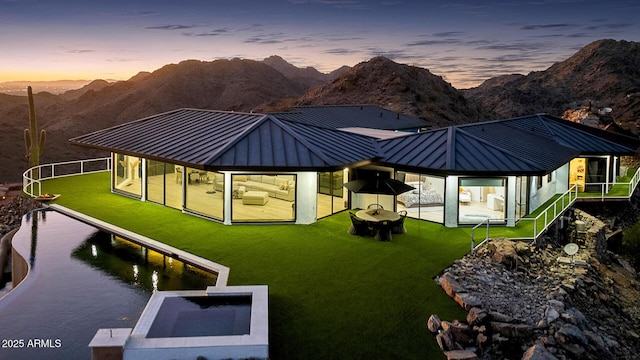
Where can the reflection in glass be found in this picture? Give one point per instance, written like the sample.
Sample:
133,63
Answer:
205,193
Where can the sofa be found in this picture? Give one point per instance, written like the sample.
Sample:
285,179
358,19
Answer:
277,186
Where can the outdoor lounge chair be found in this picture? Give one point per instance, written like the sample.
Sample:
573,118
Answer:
359,226
398,225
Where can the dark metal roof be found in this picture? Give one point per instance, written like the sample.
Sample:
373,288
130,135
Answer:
186,136
588,140
347,116
228,140
457,151
214,140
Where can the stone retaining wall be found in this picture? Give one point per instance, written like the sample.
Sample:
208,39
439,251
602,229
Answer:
528,301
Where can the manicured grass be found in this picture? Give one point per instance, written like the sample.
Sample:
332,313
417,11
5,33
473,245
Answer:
331,295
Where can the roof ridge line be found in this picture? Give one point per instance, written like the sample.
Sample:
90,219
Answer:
237,137
284,127
314,149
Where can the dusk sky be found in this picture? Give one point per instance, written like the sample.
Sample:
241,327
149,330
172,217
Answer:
466,42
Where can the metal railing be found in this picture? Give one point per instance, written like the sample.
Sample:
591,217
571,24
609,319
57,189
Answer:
605,189
540,223
32,178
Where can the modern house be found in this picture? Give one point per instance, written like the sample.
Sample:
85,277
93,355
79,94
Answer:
290,167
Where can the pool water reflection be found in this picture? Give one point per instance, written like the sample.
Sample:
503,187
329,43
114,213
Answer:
81,280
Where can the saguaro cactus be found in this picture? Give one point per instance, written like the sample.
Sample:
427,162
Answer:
33,142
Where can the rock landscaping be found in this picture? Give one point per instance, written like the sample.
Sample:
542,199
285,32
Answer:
533,301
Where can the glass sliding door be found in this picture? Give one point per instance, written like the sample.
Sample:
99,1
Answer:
331,193
164,184
481,199
522,200
127,175
426,200
205,193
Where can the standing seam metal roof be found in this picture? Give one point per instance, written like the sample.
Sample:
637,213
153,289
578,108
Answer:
215,140
347,116
228,140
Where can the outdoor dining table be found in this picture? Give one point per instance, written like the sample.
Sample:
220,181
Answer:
376,215
381,221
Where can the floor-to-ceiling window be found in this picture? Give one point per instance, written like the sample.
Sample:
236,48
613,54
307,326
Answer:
426,200
522,198
127,175
331,193
480,199
263,197
204,193
164,183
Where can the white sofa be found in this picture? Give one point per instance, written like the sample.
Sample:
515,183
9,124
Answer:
279,187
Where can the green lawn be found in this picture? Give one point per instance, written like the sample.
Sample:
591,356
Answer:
331,295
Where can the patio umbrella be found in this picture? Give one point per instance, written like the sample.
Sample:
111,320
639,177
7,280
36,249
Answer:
384,186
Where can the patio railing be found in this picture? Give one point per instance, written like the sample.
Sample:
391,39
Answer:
32,178
540,223
608,191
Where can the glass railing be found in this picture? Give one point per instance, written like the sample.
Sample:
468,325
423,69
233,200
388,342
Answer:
33,177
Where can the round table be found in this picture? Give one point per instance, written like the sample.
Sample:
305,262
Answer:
378,215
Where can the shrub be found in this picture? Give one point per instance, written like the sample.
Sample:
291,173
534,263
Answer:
631,244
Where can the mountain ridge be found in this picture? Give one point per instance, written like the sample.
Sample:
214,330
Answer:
588,82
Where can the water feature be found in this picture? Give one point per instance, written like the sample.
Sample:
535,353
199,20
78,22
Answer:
81,279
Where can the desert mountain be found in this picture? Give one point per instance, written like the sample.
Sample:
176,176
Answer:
604,74
308,76
406,89
240,85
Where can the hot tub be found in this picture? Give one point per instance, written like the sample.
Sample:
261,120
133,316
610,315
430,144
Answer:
229,322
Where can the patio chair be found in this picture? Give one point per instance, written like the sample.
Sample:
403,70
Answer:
375,206
383,230
359,226
398,225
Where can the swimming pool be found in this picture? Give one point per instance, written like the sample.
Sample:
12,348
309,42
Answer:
81,279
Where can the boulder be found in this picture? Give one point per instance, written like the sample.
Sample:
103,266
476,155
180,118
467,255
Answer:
504,252
460,355
450,285
538,352
569,333
467,300
476,316
434,323
461,332
510,330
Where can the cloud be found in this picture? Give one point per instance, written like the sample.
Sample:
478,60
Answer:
341,51
275,38
340,4
80,51
215,32
549,27
448,34
522,46
609,26
434,42
169,27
